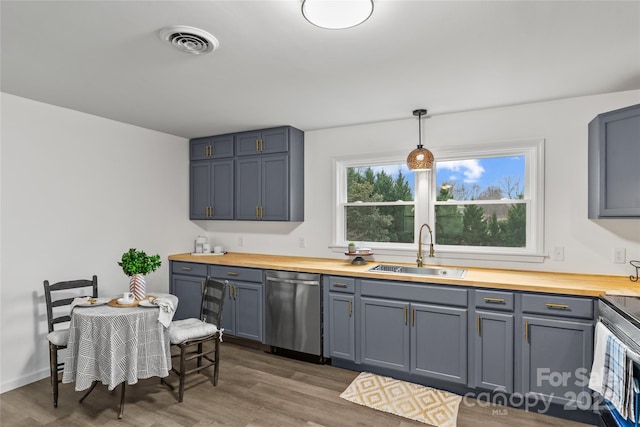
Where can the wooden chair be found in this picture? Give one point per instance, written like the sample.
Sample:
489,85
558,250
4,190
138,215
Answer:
189,335
59,295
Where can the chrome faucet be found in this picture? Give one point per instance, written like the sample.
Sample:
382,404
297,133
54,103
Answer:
431,251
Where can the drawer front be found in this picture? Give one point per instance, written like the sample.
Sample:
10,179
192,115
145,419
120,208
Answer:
415,292
190,268
342,284
494,300
236,273
558,305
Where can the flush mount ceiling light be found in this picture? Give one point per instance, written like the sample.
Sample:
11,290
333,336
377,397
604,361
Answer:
420,158
189,39
337,14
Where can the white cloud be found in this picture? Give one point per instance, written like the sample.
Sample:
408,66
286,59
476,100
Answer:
471,169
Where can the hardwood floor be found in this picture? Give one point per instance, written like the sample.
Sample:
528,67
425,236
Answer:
254,389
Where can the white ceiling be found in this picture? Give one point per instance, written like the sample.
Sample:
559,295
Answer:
273,68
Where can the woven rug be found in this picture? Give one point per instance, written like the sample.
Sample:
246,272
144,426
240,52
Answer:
413,401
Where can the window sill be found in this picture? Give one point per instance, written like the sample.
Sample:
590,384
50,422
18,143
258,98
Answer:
448,254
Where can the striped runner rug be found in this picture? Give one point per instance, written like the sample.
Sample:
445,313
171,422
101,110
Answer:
416,402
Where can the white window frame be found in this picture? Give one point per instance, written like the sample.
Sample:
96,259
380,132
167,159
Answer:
425,198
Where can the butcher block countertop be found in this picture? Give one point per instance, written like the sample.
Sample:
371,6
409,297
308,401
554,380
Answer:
558,283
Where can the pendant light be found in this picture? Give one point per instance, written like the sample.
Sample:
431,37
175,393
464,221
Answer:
337,14
420,159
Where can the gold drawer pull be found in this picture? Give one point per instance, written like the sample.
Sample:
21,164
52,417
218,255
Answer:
186,268
232,273
494,300
479,326
526,330
405,314
557,306
350,308
340,285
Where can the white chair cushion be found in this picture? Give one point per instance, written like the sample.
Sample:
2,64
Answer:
59,337
188,329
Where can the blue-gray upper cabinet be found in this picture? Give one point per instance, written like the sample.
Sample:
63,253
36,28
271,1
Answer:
557,347
614,159
211,186
270,182
211,147
274,140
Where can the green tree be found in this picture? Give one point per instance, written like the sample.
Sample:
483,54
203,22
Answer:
366,223
516,226
474,226
448,220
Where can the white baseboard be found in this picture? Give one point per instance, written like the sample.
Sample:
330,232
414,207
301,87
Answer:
22,381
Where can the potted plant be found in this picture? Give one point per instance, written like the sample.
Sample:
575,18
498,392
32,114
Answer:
136,264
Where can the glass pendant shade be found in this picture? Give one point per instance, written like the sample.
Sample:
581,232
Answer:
337,14
420,159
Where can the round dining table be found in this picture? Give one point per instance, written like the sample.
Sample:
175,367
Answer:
116,345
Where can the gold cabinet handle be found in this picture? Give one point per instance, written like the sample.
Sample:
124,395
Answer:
211,150
257,145
413,316
526,330
479,326
339,285
261,145
261,212
350,308
405,314
186,268
235,292
230,291
211,211
257,212
494,300
232,273
557,306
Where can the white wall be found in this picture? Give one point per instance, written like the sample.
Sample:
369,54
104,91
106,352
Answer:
563,124
77,192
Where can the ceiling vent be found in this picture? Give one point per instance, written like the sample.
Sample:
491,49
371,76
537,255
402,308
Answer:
189,39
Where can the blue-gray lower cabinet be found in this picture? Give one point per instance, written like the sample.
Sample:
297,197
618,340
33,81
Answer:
439,342
188,289
384,333
245,309
493,351
557,357
342,326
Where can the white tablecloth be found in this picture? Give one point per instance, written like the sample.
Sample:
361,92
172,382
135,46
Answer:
113,344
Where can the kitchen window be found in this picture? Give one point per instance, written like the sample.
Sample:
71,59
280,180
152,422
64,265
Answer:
482,202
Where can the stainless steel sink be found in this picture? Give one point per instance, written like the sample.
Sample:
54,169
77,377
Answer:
456,273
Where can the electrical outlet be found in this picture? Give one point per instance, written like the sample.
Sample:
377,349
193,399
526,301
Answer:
301,242
240,241
619,255
558,253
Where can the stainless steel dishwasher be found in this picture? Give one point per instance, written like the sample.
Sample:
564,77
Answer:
294,316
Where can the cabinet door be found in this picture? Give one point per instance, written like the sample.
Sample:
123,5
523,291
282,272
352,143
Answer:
228,320
222,197
439,342
275,140
221,146
342,326
275,188
248,187
493,355
199,148
557,356
200,183
188,289
247,143
384,335
248,298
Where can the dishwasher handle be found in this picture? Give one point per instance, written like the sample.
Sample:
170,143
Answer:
294,281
